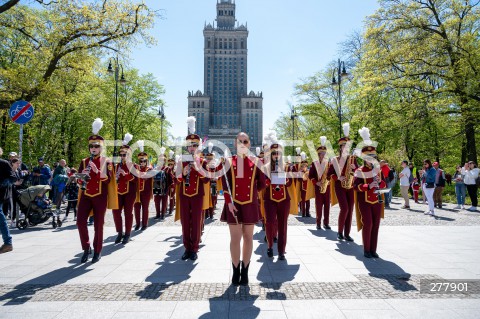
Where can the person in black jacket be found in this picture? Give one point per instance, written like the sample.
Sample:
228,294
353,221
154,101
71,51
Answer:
7,179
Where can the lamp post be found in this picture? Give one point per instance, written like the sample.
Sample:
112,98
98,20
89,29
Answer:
115,69
161,115
293,115
341,72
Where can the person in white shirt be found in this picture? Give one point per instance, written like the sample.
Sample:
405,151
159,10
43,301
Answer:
470,172
405,183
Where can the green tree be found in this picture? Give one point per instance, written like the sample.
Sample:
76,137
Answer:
428,49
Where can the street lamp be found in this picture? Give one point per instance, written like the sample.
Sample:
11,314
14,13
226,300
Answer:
293,115
341,73
114,69
161,115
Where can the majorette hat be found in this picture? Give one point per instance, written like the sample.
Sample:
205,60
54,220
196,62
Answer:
171,160
322,148
346,132
271,139
192,138
142,155
128,137
210,155
298,150
304,158
367,145
96,127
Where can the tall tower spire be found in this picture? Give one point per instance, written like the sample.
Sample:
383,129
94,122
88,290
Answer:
225,14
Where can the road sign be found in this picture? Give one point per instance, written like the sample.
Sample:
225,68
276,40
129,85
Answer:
21,112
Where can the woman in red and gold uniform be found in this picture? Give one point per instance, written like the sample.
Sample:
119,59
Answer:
276,201
127,191
369,205
240,188
144,189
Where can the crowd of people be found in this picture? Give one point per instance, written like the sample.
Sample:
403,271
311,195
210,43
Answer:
265,188
431,180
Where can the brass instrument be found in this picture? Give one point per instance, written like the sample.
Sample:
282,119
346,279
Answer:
378,179
347,183
187,178
324,181
85,177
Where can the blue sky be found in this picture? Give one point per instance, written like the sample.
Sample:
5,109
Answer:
288,40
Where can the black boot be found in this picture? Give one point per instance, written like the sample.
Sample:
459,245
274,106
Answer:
119,238
126,239
86,252
236,275
244,274
96,257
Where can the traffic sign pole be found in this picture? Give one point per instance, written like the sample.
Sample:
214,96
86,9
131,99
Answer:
20,143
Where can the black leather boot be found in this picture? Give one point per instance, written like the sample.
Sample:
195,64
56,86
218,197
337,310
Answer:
244,275
96,257
236,275
86,252
126,239
119,238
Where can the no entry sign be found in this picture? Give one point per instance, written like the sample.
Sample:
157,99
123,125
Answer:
21,112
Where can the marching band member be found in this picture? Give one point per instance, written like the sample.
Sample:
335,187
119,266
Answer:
341,172
212,167
99,191
127,191
161,185
320,179
240,186
306,189
190,195
171,189
277,201
144,188
369,204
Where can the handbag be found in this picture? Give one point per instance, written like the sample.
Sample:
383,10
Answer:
430,185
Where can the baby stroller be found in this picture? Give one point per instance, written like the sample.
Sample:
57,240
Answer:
31,213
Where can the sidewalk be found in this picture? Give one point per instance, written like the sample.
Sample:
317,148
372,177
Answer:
321,278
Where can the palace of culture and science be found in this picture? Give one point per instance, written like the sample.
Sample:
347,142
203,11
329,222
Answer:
226,107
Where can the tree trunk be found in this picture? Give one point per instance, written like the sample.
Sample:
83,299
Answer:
3,137
470,140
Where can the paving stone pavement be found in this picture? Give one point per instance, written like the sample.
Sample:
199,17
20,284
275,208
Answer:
321,277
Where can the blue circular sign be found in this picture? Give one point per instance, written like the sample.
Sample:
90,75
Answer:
21,112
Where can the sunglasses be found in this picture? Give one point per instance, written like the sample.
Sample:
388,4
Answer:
94,146
143,161
123,155
244,142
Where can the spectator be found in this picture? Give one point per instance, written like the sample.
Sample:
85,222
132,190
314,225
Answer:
448,178
460,189
470,173
7,178
43,173
71,190
59,181
439,185
429,173
385,173
405,183
42,201
414,181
